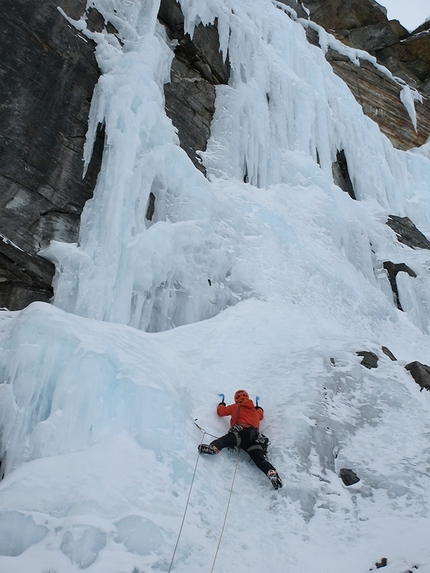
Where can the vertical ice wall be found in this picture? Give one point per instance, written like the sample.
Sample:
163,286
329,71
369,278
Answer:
129,267
283,102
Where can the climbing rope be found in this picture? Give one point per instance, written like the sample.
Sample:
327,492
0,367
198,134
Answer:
188,500
226,511
204,433
203,430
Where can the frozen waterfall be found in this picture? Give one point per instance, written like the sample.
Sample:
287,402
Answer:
266,276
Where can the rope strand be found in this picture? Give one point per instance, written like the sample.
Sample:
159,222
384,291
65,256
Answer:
204,433
186,505
203,430
226,511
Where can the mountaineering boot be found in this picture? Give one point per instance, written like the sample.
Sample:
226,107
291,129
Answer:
208,449
274,478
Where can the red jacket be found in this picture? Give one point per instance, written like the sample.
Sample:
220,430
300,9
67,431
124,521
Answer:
245,413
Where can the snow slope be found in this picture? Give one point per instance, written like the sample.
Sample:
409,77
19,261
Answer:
267,277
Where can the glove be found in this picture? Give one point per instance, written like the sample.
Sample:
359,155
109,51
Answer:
223,403
259,408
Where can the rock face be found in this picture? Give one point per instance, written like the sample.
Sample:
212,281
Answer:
348,476
420,373
345,14
47,85
48,74
363,24
392,270
197,68
370,359
46,91
407,233
379,97
341,174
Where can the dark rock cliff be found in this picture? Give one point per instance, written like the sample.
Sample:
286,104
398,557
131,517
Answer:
197,68
48,74
363,24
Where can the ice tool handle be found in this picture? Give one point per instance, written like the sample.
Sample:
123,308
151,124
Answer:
222,397
256,400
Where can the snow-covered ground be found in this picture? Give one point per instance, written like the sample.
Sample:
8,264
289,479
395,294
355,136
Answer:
271,285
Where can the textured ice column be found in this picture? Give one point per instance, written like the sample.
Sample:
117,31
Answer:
284,97
408,97
96,278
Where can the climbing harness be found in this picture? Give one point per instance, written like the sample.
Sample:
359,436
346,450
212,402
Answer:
262,442
236,429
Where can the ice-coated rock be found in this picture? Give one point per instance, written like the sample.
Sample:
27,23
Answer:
18,532
82,544
138,534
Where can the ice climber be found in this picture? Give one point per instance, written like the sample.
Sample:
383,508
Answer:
244,433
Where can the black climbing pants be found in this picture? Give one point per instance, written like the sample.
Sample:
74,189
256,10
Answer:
246,440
